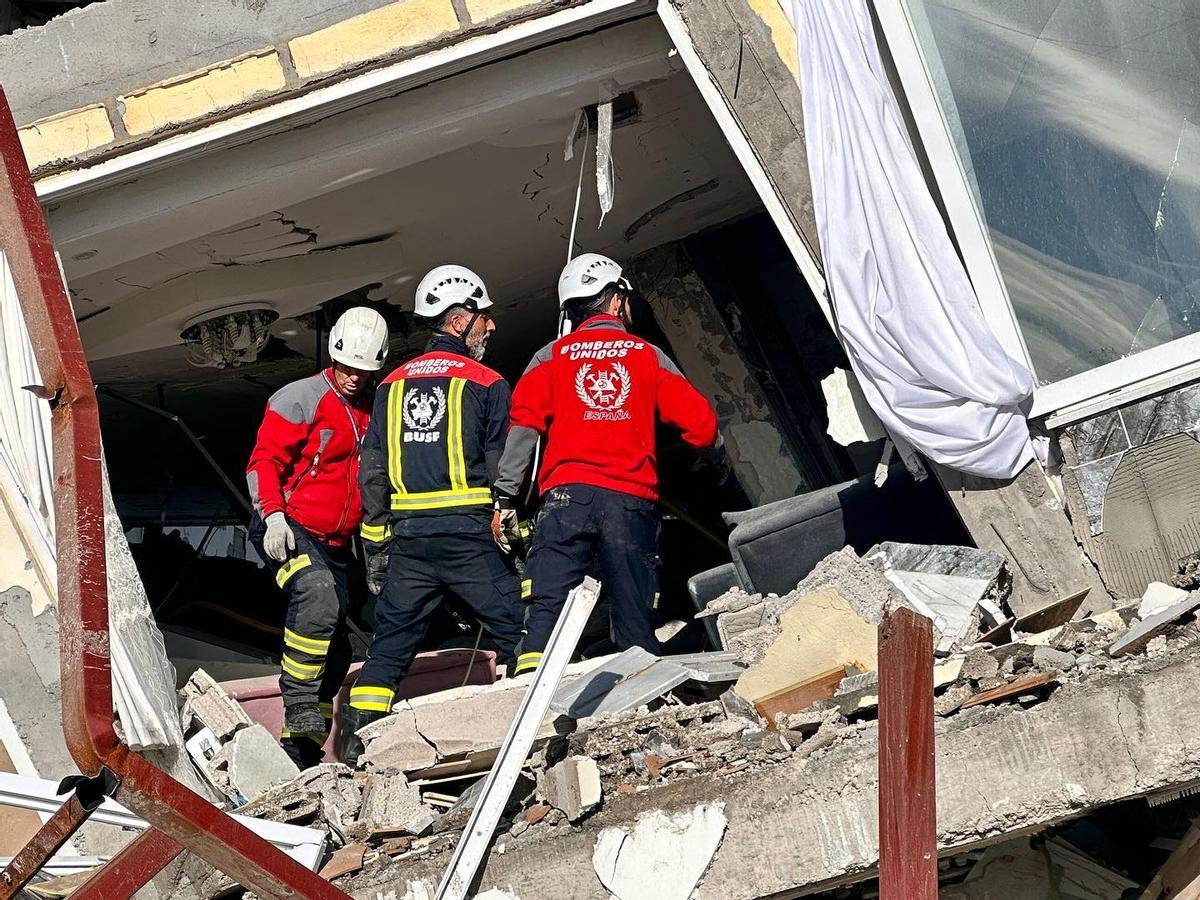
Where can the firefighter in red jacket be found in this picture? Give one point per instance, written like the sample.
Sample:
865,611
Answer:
303,479
594,396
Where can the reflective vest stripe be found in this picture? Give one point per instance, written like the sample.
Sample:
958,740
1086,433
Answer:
291,567
312,646
455,459
442,499
395,435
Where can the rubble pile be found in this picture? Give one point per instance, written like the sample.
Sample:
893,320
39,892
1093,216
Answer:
796,680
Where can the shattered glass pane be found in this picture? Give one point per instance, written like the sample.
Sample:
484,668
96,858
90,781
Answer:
1077,125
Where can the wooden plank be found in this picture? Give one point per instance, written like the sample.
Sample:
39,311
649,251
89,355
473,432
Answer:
1057,613
800,696
907,785
1013,689
1180,872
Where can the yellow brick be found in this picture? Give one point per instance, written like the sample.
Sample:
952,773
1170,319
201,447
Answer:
483,10
371,35
782,32
66,136
199,94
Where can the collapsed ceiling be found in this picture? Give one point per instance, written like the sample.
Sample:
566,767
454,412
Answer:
469,169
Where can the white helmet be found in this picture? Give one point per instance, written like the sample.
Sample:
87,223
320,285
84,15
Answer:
586,276
448,286
359,339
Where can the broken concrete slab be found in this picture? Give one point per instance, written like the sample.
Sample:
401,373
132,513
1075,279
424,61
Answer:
572,786
1159,597
394,743
664,857
802,825
206,704
1141,634
253,762
821,633
391,806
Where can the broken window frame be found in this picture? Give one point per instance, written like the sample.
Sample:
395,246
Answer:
1101,389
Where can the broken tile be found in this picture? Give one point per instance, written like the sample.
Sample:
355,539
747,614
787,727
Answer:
1140,635
1013,689
344,861
572,786
664,857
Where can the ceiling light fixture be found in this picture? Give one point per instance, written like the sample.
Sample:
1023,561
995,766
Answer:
233,336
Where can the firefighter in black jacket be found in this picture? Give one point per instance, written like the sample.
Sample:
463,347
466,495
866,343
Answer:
429,460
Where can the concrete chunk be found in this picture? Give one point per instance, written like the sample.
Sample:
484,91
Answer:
1159,597
572,786
255,763
1140,635
664,857
390,806
205,702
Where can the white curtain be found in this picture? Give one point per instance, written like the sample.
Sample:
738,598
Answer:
928,363
143,677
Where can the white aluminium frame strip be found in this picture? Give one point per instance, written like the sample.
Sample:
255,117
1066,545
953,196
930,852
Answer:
1070,399
305,845
498,786
348,93
738,142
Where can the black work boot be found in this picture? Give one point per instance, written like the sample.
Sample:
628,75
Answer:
303,718
350,746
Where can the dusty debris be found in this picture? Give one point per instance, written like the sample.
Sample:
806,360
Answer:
665,856
391,807
1159,597
1019,869
1141,634
206,705
1015,688
572,786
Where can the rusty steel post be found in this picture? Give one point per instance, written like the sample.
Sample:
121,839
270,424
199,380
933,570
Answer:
907,788
87,700
29,860
131,869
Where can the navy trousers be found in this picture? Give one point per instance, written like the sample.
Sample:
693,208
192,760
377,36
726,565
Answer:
583,530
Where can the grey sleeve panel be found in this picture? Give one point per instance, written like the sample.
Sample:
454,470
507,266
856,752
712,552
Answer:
297,402
542,356
252,484
666,363
519,450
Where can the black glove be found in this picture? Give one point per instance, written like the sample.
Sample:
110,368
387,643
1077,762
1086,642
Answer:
377,566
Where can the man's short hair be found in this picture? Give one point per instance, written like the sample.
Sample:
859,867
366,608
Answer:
440,323
584,308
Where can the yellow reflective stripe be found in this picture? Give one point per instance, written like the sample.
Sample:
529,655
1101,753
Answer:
442,499
303,644
376,534
319,737
527,662
526,588
291,567
302,671
395,435
455,458
377,699
326,709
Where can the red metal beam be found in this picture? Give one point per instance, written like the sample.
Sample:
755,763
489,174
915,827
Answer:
30,859
87,698
907,788
131,869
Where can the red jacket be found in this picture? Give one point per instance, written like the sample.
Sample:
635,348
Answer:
305,461
595,394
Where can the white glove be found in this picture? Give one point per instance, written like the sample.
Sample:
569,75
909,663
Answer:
279,538
504,522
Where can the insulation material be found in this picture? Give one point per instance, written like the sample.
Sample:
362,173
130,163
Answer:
927,361
604,162
143,678
665,856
